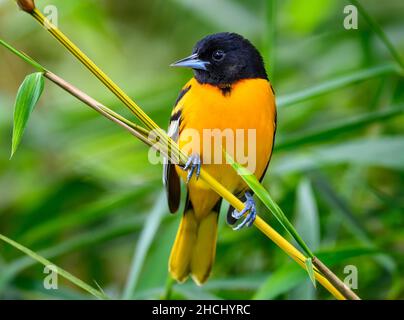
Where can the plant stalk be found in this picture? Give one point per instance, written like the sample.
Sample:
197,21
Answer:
150,124
142,135
342,287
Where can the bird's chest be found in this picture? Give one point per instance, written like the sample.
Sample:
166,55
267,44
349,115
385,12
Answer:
242,122
243,114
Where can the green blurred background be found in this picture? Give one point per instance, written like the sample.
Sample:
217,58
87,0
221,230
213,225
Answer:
81,191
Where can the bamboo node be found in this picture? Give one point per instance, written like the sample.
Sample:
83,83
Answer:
26,5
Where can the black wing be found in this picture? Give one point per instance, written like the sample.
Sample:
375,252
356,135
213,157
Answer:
170,177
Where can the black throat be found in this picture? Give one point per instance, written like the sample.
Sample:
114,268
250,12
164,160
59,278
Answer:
228,58
224,80
225,88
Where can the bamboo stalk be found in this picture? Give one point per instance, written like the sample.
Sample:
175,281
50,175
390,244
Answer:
259,222
213,183
335,280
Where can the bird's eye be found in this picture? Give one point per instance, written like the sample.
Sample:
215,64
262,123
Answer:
218,55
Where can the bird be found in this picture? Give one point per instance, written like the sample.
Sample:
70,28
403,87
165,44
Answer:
229,90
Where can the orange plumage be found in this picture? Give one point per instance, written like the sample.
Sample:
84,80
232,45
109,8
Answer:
247,103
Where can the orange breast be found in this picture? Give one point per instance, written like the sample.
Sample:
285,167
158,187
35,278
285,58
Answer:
247,113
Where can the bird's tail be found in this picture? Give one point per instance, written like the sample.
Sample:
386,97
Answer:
194,248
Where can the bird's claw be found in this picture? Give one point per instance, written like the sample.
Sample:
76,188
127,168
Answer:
249,206
193,163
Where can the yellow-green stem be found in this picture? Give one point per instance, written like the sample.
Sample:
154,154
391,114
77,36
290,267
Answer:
150,124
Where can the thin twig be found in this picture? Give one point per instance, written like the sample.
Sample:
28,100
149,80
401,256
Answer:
172,146
132,128
141,134
342,287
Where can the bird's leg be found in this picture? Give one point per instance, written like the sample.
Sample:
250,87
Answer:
193,163
249,205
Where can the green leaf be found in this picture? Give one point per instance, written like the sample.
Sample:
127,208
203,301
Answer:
337,83
84,215
307,216
331,130
143,245
60,271
282,280
375,151
308,225
215,12
23,56
307,15
335,255
310,270
379,31
355,225
152,276
87,239
27,97
340,207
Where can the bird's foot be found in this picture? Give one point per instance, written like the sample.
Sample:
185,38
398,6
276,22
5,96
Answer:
249,206
193,165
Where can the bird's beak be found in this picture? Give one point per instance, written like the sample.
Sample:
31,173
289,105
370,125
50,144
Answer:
192,61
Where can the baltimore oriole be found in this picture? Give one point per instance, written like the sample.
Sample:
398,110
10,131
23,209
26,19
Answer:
230,90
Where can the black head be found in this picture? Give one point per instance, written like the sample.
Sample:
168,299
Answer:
224,58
